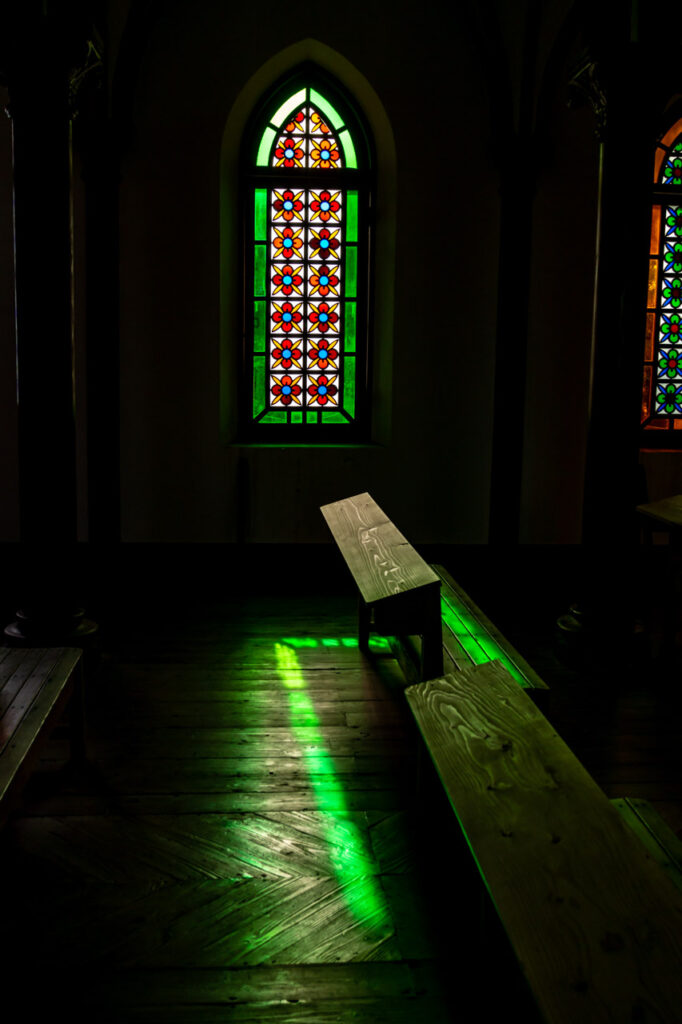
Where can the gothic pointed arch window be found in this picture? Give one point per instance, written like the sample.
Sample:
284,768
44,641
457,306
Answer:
307,192
662,379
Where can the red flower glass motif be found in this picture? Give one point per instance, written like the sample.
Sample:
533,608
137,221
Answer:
286,317
287,241
317,124
286,354
296,124
288,153
324,153
323,317
325,206
322,390
324,242
321,355
286,390
323,280
287,280
288,205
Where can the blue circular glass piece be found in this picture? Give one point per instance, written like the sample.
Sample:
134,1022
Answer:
286,390
321,389
286,317
289,152
287,279
288,205
323,318
324,280
324,243
324,205
286,353
322,353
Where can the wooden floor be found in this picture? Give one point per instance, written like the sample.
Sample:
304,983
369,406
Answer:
246,849
251,846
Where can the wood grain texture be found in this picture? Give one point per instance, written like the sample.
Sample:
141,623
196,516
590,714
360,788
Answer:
658,839
449,586
381,560
594,922
34,688
244,812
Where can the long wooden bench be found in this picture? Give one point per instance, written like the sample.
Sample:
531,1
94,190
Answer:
36,684
595,924
399,594
419,606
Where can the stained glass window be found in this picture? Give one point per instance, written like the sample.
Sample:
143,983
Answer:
662,378
306,365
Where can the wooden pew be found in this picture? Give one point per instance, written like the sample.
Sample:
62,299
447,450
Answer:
398,592
36,684
595,924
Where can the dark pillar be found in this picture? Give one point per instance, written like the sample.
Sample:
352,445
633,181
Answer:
41,134
516,192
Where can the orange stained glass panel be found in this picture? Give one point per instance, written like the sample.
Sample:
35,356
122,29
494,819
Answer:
658,424
655,230
649,337
653,284
677,423
646,394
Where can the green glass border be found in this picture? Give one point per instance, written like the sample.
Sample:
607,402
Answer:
297,416
258,385
351,215
333,416
282,114
346,140
265,147
259,325
274,416
330,112
259,262
260,215
350,327
349,385
351,271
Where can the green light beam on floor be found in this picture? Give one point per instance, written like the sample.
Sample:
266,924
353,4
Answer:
348,854
378,644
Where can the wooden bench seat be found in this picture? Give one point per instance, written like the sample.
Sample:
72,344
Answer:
595,924
35,686
469,638
399,593
654,833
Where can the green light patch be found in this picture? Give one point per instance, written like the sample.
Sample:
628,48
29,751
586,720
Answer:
349,855
475,639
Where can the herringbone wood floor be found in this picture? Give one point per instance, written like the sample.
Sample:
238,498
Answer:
247,845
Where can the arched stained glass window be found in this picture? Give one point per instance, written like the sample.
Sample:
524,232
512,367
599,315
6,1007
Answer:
662,380
306,368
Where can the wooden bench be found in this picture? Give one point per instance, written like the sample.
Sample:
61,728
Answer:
35,686
399,594
595,924
470,638
654,833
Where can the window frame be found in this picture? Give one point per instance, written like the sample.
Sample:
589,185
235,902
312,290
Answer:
361,179
662,432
